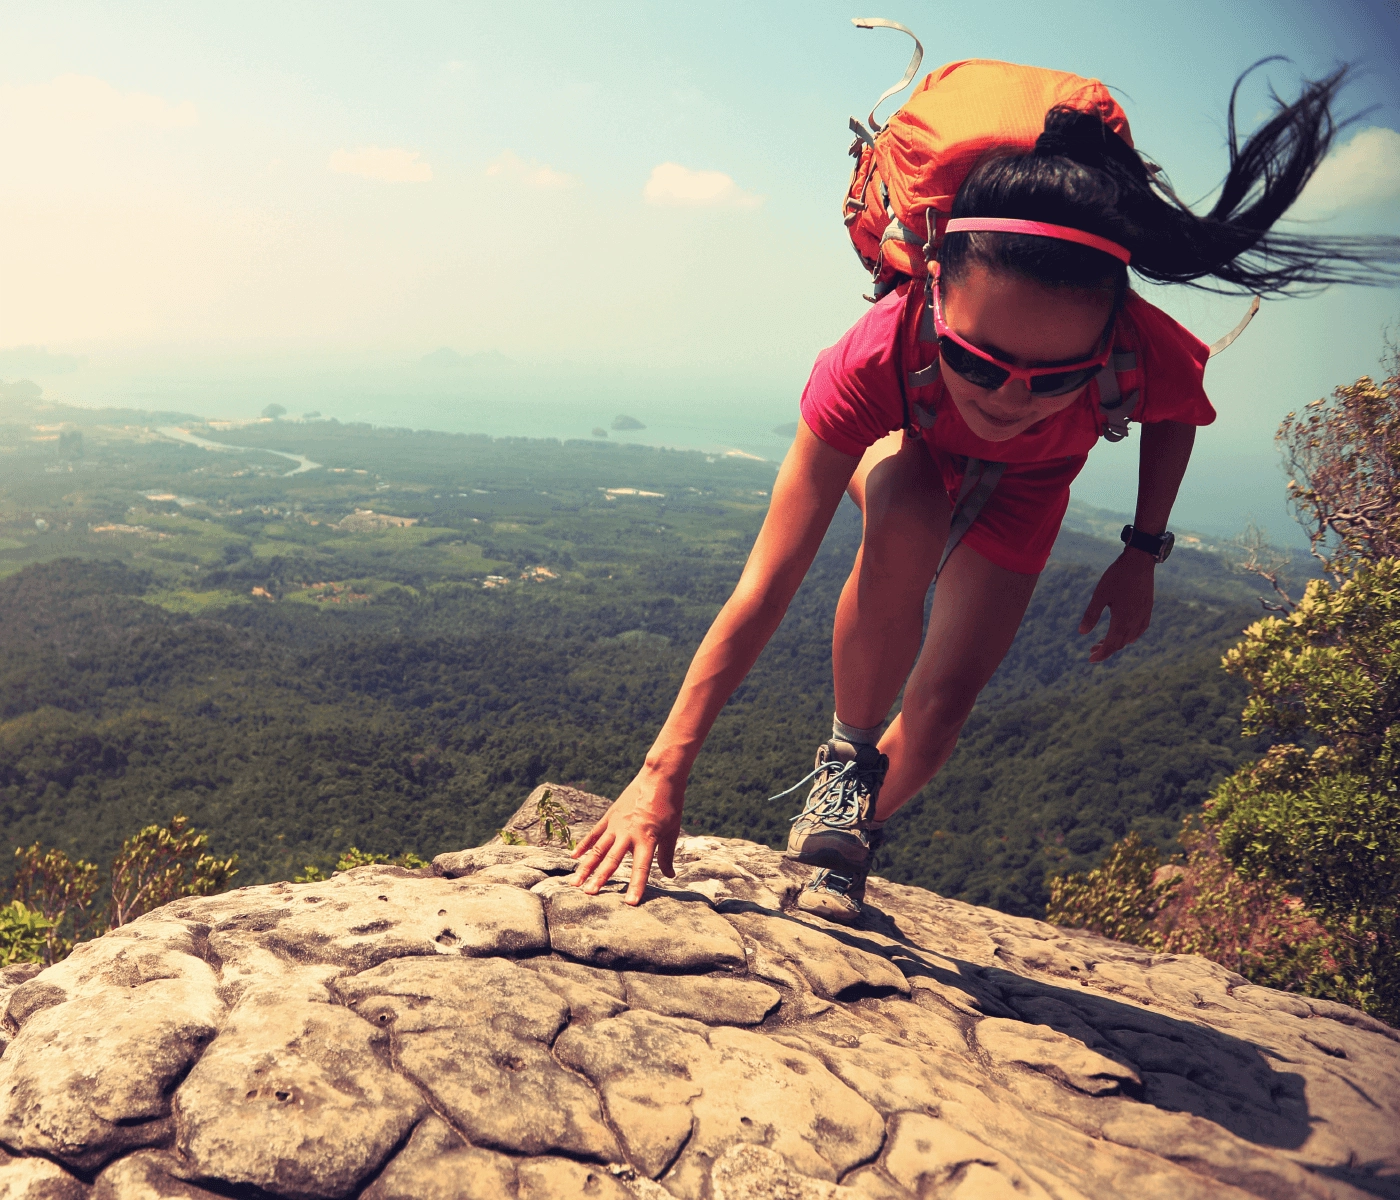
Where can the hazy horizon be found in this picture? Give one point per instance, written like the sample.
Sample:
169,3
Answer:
632,209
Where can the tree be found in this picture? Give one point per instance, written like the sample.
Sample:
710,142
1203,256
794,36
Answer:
52,905
1293,871
159,865
1120,898
60,889
1344,458
273,411
1319,814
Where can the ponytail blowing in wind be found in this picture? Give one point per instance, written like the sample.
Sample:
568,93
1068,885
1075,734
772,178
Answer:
1083,175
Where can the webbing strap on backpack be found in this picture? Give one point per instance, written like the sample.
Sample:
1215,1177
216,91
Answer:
1114,407
978,482
914,61
1228,340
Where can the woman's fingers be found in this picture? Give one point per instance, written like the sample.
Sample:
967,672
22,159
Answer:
1119,635
587,843
1092,613
590,860
605,869
641,868
666,856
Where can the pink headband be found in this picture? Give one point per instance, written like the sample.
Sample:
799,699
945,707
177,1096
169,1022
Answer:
1039,229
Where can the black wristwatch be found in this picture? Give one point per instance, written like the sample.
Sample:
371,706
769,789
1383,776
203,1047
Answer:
1149,543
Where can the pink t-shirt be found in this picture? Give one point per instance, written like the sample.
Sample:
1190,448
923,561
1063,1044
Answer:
859,388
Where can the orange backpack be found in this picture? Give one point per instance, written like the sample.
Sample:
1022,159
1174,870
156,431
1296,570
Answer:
909,169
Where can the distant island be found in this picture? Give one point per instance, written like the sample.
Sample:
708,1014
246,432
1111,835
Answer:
787,431
621,422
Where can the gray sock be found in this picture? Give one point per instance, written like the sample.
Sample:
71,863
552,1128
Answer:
853,733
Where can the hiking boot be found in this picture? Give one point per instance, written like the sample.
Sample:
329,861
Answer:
834,828
839,895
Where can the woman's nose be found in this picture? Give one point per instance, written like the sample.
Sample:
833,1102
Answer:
1014,392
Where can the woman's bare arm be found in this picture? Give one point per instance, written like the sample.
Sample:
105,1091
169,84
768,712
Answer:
1126,587
644,820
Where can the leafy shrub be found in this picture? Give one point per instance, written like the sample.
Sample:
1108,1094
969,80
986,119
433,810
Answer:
159,865
355,857
1120,898
24,934
61,890
554,817
1293,869
53,902
1292,875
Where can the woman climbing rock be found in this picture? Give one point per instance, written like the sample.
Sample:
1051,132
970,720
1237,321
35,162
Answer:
1000,212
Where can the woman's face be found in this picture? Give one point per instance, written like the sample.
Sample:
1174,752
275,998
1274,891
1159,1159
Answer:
1025,324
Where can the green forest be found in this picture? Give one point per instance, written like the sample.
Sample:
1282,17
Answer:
390,648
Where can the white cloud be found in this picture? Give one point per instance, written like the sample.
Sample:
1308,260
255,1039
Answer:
510,167
83,101
1364,172
390,164
675,185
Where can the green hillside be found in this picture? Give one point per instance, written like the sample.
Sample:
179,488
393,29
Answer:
247,650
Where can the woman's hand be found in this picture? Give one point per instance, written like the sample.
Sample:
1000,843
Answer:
1125,589
643,821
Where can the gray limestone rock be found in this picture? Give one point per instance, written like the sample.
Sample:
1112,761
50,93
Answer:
554,1178
484,1031
591,993
831,958
437,1164
475,1035
583,808
88,1078
148,1175
373,914
749,1172
296,1098
680,1094
716,1001
1057,1054
670,931
38,1179
548,860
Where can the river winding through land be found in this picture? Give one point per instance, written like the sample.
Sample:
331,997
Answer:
184,435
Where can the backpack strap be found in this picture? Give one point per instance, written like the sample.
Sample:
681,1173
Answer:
925,375
914,61
1227,341
978,482
1114,407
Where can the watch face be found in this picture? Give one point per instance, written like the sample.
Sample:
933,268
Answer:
1168,541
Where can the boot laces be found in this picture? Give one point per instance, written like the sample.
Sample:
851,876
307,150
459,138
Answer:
835,800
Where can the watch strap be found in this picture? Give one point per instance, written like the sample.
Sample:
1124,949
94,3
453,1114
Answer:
1148,543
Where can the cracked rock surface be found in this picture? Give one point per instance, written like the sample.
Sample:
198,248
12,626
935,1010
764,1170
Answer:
477,1029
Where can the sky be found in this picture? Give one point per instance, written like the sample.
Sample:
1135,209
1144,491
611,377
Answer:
593,209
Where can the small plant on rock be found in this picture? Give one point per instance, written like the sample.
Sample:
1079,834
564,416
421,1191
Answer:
355,857
554,817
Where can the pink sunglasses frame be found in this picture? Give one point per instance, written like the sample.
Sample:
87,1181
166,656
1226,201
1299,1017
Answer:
1025,374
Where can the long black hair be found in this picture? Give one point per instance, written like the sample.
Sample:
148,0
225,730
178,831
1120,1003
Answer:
1084,175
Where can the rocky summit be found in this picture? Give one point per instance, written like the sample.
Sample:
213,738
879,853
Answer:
478,1029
